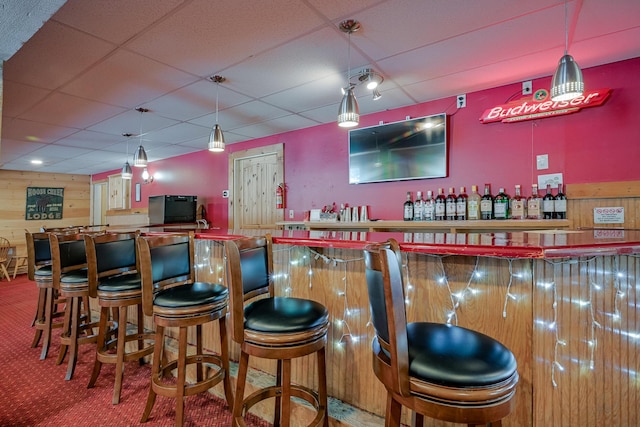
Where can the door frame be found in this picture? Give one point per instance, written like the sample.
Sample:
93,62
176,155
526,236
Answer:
234,158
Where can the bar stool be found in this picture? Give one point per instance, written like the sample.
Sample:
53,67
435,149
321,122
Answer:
69,276
273,327
49,307
114,280
440,371
174,298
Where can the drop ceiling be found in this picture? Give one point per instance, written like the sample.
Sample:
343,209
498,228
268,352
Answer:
72,89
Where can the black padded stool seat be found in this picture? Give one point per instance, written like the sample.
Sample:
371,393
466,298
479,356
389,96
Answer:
440,371
49,307
271,327
115,281
457,357
197,296
284,315
174,298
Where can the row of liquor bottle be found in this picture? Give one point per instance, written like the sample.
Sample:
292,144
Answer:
474,206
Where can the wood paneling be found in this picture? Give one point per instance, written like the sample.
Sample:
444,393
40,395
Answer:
583,198
13,193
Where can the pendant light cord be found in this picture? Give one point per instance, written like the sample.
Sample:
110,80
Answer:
349,62
566,27
217,93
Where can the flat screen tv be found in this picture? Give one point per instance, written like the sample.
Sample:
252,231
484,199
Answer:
411,149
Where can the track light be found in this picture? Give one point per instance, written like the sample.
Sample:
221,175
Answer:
376,95
371,78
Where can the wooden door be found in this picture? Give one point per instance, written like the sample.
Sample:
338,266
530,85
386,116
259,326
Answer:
254,175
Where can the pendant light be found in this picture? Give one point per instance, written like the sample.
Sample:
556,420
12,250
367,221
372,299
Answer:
567,82
127,173
349,113
140,156
216,138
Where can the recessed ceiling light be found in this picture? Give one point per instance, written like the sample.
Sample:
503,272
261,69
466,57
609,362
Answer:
36,162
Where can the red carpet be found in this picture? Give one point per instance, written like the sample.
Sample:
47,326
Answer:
33,392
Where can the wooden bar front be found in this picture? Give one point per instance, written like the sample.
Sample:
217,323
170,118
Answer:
572,323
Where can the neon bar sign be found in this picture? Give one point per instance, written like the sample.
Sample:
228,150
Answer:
539,106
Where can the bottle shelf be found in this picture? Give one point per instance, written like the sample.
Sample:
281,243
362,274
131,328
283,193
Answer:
470,226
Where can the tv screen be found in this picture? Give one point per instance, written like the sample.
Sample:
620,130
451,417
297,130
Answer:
411,149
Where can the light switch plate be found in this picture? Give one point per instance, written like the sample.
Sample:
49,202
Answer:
542,161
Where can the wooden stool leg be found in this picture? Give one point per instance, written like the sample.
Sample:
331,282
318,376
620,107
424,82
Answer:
140,316
182,373
66,330
122,338
224,355
199,366
322,384
277,412
48,319
155,371
394,412
418,419
286,393
42,294
243,366
73,337
100,344
4,271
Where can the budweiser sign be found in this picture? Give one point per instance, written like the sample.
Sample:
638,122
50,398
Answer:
539,106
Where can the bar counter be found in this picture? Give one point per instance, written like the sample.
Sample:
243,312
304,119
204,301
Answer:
565,302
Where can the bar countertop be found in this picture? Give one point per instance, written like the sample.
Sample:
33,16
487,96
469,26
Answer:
543,244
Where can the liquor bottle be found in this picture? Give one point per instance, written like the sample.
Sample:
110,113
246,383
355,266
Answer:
548,203
418,207
441,202
501,205
560,204
408,208
518,208
486,203
461,204
473,204
534,204
450,204
429,207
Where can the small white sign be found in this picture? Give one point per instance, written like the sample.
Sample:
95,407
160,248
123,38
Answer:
612,215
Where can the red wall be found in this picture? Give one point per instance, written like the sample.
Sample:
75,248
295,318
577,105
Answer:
597,144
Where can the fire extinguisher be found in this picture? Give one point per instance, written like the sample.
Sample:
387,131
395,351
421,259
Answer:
280,196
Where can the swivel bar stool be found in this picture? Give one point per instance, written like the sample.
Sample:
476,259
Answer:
114,280
49,307
273,327
69,276
174,298
440,371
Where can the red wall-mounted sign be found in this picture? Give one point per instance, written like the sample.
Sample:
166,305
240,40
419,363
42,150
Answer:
539,106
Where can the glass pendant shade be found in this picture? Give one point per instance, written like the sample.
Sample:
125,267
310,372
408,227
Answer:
349,113
216,139
126,173
567,81
140,157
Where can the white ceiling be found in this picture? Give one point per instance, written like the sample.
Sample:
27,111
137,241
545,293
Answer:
71,90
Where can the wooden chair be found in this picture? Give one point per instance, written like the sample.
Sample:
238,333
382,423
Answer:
5,245
69,276
174,298
114,280
273,327
50,306
440,371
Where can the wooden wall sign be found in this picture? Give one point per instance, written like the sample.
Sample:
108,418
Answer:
44,203
540,106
